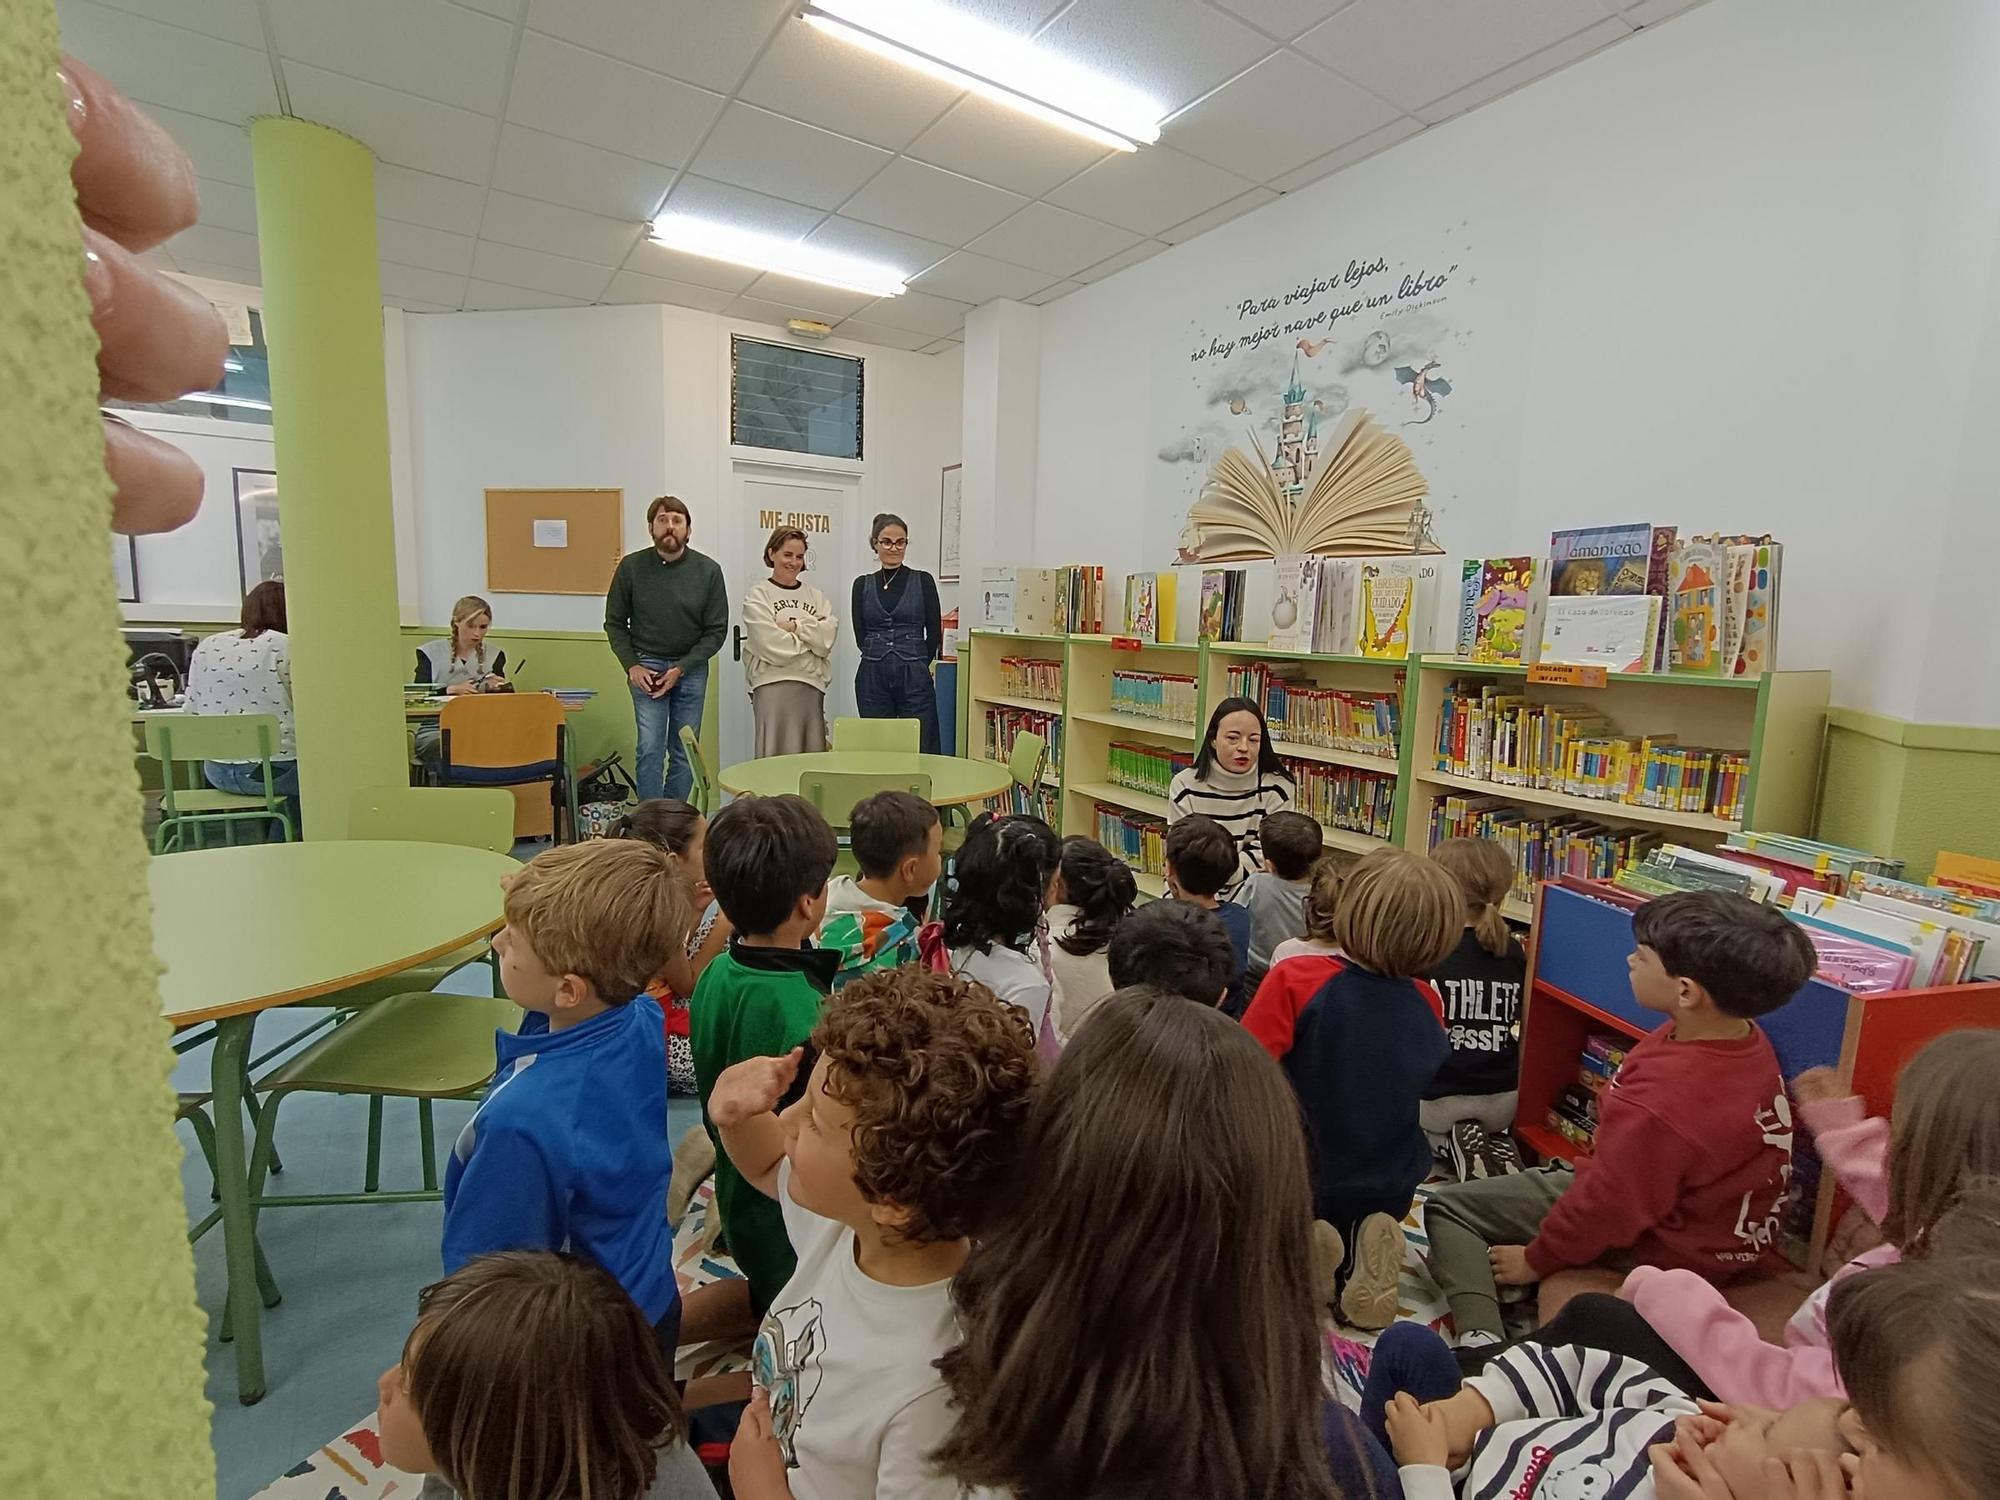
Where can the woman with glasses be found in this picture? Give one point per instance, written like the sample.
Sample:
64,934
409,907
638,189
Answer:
900,629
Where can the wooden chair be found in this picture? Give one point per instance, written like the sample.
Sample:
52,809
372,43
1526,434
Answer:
508,739
902,735
188,740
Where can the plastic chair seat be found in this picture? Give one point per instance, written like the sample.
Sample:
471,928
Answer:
539,770
904,736
212,801
415,1046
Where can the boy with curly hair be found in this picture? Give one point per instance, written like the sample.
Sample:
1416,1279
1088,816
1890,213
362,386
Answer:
910,1125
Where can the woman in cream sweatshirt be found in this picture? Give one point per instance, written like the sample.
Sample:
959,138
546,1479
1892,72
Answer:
789,630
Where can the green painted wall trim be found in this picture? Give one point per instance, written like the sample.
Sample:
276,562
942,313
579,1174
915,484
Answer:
1966,737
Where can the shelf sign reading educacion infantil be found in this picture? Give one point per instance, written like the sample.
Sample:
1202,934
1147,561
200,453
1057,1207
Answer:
1555,674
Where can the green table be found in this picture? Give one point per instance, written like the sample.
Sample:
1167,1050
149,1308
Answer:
242,930
954,779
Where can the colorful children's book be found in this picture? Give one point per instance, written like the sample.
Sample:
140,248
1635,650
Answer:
1339,594
1736,596
1659,580
1758,651
1142,606
1470,574
1967,873
997,594
1296,609
1167,599
1386,606
1213,587
1600,560
1697,605
1506,592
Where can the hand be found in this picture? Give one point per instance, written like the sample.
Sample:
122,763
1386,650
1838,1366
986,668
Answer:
157,339
756,1462
1808,1474
1417,1432
1682,1470
668,681
752,1087
703,896
1706,1428
492,682
1819,1086
459,690
1510,1266
643,679
791,623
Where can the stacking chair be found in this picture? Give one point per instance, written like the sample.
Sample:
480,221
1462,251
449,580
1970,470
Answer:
508,739
834,793
701,788
1030,757
186,740
904,735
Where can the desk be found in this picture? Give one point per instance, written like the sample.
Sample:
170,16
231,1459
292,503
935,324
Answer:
955,780
426,710
242,930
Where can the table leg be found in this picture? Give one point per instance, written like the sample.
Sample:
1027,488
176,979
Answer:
243,1310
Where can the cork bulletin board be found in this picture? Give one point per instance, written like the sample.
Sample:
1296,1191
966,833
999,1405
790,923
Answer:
553,541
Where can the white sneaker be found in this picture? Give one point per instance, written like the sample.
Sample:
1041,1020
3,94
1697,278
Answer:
1370,1300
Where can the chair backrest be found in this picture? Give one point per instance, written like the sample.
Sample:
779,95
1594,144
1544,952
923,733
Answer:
1025,761
476,817
905,735
495,730
701,788
834,793
183,737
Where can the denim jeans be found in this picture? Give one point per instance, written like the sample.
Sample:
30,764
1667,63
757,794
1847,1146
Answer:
659,720
246,779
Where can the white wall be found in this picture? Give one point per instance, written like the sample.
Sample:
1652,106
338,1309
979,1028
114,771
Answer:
194,573
1754,290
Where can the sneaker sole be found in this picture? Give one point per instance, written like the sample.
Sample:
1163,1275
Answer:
1370,1300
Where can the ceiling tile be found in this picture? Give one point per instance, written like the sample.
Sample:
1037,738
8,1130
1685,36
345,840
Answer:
966,277
1279,115
1412,56
1540,65
1201,223
830,303
1284,18
631,286
739,206
919,312
423,47
490,296
440,287
229,20
506,10
1144,250
220,152
538,165
768,153
536,272
881,335
1049,294
938,205
1004,147
1652,12
906,252
533,225
1019,16
709,42
1150,190
777,314
218,247
158,64
422,198
816,78
603,102
430,249
224,205
1354,151
1052,239
942,346
1174,50
658,263
416,305
397,127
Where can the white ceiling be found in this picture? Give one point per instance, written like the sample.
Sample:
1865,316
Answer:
523,143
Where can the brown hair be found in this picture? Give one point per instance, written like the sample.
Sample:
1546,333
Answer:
464,610
673,503
264,609
1399,914
665,822
781,536
939,1073
534,1376
1098,1362
612,911
1946,1130
1485,874
1323,898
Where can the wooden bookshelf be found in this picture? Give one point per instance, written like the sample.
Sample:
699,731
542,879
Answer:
1093,726
980,671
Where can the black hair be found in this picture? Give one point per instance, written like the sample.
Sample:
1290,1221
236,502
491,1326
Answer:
1751,958
763,855
1267,757
1002,872
1102,889
1293,842
666,822
1201,855
1170,945
887,829
882,522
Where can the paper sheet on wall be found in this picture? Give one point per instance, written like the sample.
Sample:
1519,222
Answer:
551,533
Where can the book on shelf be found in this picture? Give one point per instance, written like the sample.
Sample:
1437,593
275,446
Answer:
1967,873
1031,677
1659,583
1004,725
1145,768
1502,609
1037,604
1222,591
1167,696
1595,560
1138,840
1343,796
1837,861
1620,633
998,598
1304,713
1695,622
1150,601
1295,612
1392,608
1938,897
1542,845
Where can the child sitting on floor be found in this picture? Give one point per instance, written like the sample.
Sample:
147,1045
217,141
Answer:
1173,947
898,842
1275,896
1694,1137
1093,892
533,1375
679,828
1301,965
993,917
1201,862
571,1153
910,1126
1469,1107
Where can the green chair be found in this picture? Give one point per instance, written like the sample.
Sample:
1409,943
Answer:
1027,761
190,739
701,788
193,1107
902,735
834,793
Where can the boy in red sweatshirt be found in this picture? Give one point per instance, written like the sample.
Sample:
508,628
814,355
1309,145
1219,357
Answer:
1694,1138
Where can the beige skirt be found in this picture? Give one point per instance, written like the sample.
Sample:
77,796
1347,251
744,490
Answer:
791,718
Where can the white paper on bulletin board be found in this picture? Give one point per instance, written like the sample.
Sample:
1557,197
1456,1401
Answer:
551,533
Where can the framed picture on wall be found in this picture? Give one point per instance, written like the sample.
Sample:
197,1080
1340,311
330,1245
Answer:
260,551
950,497
125,568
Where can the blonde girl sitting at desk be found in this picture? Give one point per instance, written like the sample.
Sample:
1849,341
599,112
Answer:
459,664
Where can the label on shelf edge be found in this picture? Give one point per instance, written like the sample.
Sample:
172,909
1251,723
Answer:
1127,643
1565,675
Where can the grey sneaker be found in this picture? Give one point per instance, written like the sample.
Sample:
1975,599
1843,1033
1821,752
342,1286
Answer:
1370,1299
1502,1157
1468,1151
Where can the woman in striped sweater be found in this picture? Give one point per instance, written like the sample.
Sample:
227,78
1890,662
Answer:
1237,779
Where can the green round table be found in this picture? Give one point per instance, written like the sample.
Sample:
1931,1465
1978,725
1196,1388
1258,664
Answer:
242,930
955,780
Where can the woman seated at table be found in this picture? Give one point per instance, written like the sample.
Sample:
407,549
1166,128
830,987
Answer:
249,671
459,665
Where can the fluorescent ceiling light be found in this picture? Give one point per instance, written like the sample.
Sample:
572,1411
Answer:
768,252
233,365
993,64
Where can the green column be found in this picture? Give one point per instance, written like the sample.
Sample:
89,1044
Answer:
330,419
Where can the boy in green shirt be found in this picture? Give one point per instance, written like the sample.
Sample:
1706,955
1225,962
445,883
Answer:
767,860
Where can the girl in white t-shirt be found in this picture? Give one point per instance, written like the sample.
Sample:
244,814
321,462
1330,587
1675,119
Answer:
993,918
1092,891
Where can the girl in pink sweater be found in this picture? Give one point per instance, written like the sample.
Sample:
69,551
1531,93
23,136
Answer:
1904,1173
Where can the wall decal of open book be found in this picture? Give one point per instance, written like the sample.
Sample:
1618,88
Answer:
1361,502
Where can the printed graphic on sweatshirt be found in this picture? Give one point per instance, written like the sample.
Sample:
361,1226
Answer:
1759,1232
785,1363
1482,1015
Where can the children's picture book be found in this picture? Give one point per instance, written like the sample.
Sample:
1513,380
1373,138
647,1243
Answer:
1142,606
1471,571
1659,580
1039,607
1386,607
1616,632
1213,586
1697,605
1600,560
1295,611
1500,618
996,597
1339,594
1736,594
1968,874
1757,652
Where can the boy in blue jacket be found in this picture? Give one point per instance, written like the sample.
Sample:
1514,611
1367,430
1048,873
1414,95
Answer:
569,1150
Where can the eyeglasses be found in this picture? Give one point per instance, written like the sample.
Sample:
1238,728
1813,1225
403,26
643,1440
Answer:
888,546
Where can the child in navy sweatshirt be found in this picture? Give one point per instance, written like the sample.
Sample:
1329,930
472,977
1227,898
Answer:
1363,1051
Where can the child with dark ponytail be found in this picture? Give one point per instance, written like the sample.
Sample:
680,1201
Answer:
1092,893
993,919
